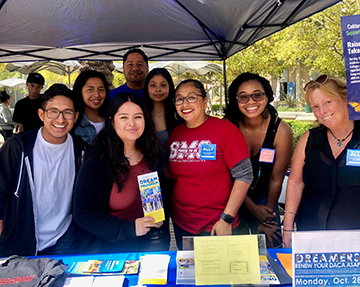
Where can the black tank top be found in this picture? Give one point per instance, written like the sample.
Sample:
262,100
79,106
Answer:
331,197
262,170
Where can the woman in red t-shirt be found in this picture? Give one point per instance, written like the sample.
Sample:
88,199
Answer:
206,155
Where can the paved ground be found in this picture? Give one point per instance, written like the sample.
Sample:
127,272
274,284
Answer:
301,116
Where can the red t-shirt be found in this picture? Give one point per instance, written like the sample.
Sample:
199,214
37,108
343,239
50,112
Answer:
202,187
126,204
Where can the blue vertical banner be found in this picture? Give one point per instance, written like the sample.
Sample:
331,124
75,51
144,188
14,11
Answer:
291,89
350,27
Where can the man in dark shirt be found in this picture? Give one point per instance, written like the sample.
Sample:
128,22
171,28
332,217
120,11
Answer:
26,110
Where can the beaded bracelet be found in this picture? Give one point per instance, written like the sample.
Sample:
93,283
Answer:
285,211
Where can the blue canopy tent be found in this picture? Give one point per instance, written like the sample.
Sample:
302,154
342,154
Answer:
61,30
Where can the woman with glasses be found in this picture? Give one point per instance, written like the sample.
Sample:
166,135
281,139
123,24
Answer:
270,144
92,95
324,183
206,153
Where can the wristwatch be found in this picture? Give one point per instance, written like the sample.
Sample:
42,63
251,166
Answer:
227,218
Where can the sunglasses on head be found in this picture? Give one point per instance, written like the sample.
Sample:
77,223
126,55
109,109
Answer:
321,80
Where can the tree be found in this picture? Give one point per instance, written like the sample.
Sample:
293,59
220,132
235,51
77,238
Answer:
315,41
5,74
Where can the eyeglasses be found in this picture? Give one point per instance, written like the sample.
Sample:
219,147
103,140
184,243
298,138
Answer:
321,80
191,98
53,114
257,97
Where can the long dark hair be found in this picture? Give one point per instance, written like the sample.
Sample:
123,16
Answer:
233,112
170,110
113,147
80,83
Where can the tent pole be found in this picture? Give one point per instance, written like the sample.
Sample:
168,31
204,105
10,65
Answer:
225,83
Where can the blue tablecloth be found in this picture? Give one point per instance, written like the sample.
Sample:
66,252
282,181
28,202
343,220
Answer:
133,279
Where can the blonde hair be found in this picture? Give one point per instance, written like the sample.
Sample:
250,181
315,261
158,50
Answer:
333,87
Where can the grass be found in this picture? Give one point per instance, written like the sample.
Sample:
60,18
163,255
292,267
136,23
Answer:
287,109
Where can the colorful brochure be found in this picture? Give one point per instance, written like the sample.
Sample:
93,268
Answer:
94,267
267,273
185,268
151,198
131,267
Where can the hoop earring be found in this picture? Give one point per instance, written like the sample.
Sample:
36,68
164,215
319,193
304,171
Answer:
175,116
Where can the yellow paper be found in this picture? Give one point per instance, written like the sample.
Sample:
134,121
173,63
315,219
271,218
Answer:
226,260
286,262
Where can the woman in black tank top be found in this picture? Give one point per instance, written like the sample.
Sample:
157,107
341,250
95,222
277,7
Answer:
270,144
324,183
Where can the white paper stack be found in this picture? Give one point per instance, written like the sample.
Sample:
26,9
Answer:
95,281
154,269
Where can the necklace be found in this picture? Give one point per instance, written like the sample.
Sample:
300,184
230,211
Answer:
339,141
131,156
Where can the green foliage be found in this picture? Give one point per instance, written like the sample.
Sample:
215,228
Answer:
216,107
315,41
299,127
281,108
5,74
289,101
119,79
52,78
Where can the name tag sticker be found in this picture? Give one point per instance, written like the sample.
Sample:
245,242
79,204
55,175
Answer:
208,151
353,157
267,155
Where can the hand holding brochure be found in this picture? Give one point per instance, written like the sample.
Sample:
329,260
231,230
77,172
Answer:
151,197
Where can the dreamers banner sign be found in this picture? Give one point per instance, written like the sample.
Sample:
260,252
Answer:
326,258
